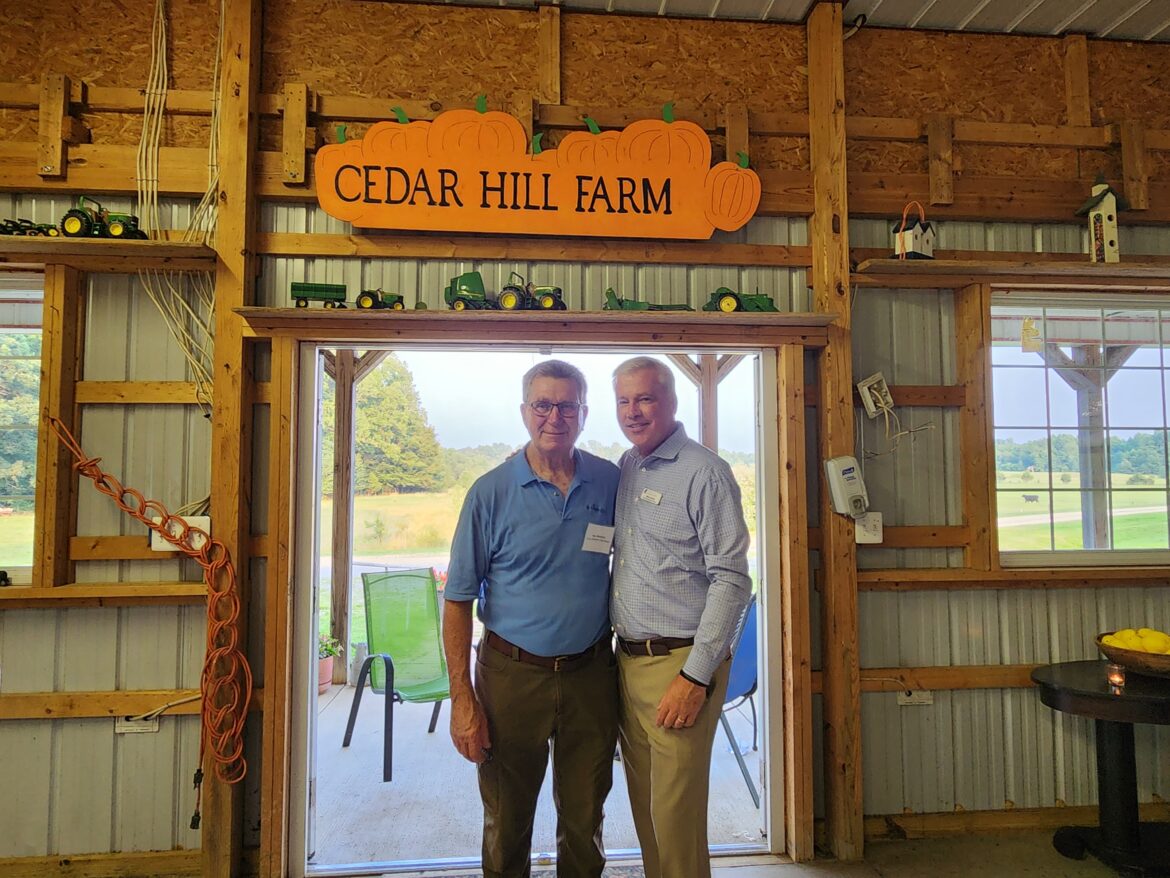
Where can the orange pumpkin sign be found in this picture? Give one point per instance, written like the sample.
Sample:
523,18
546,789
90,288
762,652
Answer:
472,171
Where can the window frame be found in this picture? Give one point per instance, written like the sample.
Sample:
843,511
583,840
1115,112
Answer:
1105,300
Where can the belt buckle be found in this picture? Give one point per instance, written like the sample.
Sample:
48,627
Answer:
650,646
557,662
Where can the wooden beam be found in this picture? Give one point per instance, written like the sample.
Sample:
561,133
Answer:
61,357
941,153
977,476
367,363
98,548
471,247
234,280
795,618
293,127
92,254
345,400
549,60
135,393
103,594
1135,165
72,705
914,536
947,678
950,823
124,864
830,277
960,578
1076,80
735,132
709,401
274,776
54,107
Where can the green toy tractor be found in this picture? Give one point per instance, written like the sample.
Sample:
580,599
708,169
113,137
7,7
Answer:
368,299
466,292
728,300
614,303
90,220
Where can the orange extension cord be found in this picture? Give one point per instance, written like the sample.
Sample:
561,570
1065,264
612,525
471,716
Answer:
226,682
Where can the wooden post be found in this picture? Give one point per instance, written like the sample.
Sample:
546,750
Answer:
54,108
55,506
345,398
293,131
235,276
795,620
549,61
972,361
1076,80
735,131
278,612
940,144
830,276
1135,166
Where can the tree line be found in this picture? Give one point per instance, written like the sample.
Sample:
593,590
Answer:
1142,453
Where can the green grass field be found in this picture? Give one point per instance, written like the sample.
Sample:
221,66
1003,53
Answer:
16,539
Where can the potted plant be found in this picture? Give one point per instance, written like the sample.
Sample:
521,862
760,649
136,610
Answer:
327,648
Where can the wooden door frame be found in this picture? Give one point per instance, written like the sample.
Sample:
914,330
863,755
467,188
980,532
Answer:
787,338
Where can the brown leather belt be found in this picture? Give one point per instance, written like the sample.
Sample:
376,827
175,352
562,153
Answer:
553,662
654,645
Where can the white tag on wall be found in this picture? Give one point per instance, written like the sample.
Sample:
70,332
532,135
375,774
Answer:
868,528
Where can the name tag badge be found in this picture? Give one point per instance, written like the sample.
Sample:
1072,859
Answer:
598,538
651,496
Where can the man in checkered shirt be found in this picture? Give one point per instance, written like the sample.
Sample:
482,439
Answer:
680,586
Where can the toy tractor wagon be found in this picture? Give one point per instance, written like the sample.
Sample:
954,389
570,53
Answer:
728,300
466,292
90,220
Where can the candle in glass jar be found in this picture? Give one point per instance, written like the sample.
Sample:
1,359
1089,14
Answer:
1115,674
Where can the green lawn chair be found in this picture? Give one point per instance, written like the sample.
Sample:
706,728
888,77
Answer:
406,648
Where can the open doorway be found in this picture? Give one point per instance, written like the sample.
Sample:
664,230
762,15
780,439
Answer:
427,423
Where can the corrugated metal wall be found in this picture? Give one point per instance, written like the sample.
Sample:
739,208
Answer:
83,788
973,749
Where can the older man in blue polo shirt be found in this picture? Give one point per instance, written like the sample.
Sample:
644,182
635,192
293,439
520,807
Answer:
680,585
533,546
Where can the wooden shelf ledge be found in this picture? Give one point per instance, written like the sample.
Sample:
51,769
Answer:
92,254
1146,276
960,578
103,594
665,328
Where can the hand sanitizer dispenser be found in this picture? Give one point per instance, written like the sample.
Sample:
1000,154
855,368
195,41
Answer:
846,488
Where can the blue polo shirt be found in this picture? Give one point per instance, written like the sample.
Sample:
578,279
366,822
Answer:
518,548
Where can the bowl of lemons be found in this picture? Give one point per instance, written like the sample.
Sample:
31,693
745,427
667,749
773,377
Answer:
1141,650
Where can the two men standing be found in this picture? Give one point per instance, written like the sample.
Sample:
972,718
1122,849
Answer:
533,545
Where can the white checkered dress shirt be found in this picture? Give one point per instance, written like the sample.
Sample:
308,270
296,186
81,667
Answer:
680,551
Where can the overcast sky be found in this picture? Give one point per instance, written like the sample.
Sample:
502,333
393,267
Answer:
473,397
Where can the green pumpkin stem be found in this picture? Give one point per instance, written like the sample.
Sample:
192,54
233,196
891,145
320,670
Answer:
481,103
743,158
668,112
591,125
537,149
400,115
341,133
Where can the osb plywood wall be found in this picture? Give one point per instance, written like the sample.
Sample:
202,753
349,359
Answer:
702,66
107,43
1132,81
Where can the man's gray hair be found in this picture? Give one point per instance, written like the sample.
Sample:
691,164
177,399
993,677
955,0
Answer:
637,364
556,369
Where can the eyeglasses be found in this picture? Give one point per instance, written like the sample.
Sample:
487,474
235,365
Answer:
544,408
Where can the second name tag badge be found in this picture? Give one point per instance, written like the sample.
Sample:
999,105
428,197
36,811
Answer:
598,538
653,497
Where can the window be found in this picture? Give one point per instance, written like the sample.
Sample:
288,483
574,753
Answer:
1080,402
20,378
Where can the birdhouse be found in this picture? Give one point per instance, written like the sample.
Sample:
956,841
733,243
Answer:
914,239
1101,210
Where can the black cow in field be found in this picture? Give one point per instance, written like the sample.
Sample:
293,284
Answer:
1031,498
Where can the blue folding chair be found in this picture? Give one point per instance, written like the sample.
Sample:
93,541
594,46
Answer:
741,687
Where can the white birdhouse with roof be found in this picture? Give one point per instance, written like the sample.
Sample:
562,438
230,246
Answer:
1101,210
913,238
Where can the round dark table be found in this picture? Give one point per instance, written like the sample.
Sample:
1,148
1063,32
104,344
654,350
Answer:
1120,840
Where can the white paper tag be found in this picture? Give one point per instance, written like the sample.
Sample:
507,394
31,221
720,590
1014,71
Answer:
598,538
651,496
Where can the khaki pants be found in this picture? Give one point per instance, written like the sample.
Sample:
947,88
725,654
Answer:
527,708
667,770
